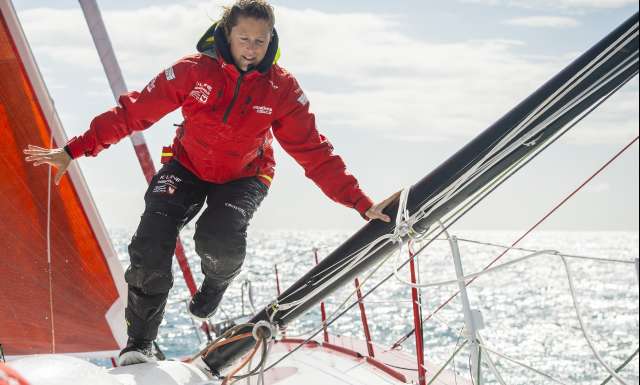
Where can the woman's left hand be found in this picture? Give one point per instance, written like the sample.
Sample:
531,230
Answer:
375,212
57,157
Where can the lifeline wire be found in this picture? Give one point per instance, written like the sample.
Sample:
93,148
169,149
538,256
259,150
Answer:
622,366
584,330
595,259
531,368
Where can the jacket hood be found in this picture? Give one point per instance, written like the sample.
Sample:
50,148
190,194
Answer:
214,44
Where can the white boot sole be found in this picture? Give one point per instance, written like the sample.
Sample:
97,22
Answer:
133,358
200,319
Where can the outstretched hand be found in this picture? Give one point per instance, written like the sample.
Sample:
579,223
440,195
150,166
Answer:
57,157
375,212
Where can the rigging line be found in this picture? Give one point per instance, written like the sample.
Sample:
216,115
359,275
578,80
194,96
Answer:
326,324
449,360
596,259
465,207
344,303
571,195
622,366
339,264
333,317
50,272
330,280
583,328
402,213
358,253
551,141
482,272
366,251
547,376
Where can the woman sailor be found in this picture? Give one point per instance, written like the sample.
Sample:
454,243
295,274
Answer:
234,98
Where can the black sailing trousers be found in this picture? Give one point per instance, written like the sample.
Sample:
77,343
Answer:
174,197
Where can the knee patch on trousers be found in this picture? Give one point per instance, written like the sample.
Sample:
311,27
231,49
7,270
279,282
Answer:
151,251
222,255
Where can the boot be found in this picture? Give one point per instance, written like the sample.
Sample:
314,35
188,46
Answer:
205,302
136,352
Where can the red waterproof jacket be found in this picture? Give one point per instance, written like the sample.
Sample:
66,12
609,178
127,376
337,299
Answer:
230,119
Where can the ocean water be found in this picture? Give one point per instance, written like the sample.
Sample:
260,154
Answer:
527,308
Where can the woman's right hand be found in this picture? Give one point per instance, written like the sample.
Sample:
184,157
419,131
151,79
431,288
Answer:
57,157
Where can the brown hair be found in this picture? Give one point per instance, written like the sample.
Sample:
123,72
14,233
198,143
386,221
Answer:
257,9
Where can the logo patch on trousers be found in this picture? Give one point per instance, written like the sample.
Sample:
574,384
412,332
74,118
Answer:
167,184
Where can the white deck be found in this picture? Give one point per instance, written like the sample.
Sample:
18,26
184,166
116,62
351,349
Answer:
319,365
313,364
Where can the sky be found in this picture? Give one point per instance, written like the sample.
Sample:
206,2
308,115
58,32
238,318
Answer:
397,87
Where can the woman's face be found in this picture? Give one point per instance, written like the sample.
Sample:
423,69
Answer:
249,41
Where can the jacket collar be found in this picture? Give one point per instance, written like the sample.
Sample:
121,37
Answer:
214,44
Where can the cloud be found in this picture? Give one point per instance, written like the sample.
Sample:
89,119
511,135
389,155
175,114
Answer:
557,4
543,22
601,187
360,71
615,121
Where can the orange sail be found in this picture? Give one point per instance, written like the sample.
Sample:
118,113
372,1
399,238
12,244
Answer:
61,284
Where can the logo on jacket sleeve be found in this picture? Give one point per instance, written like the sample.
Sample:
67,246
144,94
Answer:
263,110
201,92
302,98
169,74
152,84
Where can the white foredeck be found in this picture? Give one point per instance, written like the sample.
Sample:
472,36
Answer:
339,362
344,361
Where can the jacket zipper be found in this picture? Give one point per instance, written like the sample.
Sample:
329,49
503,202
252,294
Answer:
225,117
